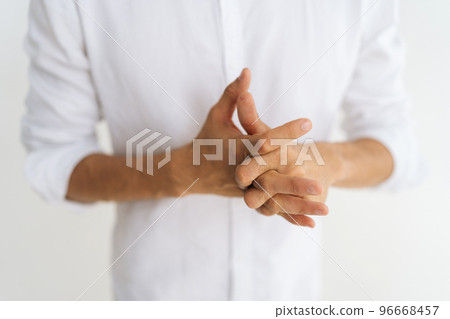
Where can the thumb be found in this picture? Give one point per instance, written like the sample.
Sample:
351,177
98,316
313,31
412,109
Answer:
248,116
227,102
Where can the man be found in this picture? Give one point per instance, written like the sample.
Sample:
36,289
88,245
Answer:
161,65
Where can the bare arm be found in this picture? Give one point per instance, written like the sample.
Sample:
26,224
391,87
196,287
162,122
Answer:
100,177
361,163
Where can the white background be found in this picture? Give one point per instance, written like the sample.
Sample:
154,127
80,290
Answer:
395,245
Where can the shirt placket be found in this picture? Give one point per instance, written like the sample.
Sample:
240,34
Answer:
233,62
232,38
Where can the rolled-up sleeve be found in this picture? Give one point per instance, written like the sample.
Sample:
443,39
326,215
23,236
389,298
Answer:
58,129
376,105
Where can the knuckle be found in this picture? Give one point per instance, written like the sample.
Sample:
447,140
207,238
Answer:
264,136
265,147
290,170
301,206
271,205
241,174
229,90
296,186
250,199
264,211
214,113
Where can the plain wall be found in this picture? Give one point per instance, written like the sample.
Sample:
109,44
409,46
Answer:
394,245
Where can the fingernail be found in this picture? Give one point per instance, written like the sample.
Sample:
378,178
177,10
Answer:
306,126
312,190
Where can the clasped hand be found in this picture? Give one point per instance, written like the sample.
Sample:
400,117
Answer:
279,186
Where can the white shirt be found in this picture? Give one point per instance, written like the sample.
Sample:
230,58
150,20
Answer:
95,61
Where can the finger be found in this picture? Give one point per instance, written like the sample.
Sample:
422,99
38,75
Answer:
299,220
285,133
227,103
255,198
272,183
275,183
265,211
245,174
282,203
248,115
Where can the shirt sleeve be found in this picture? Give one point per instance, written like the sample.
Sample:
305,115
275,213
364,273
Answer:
58,129
376,105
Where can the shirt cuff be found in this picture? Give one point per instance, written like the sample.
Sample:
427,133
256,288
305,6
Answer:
409,166
48,170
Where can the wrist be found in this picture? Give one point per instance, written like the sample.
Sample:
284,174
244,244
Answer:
181,172
334,161
171,180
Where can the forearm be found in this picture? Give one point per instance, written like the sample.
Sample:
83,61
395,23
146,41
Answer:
100,177
361,163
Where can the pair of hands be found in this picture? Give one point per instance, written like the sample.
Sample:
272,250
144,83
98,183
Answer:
292,191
